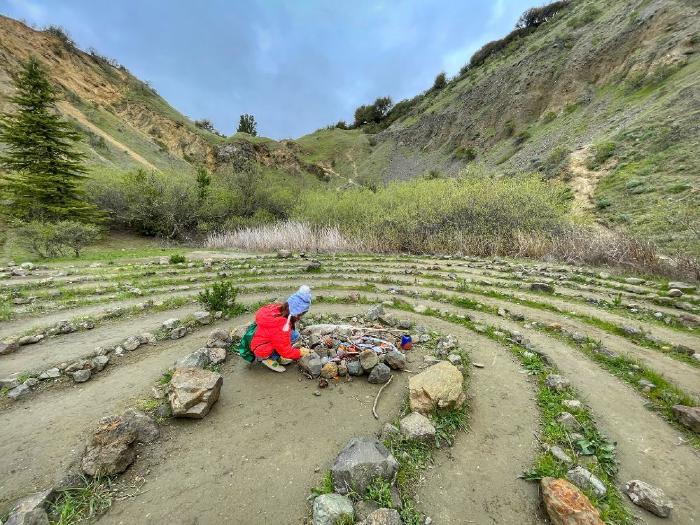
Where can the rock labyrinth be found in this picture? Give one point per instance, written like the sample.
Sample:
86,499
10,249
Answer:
636,340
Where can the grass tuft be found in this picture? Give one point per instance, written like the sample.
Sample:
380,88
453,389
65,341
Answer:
77,504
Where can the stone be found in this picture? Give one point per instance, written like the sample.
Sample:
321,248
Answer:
634,280
649,497
81,364
379,375
177,333
364,508
675,292
688,416
329,370
573,404
202,317
193,391
383,517
420,308
312,266
30,339
19,391
80,376
439,386
99,362
51,373
584,480
389,431
354,367
169,324
568,421
9,383
216,355
455,359
131,343
197,359
542,287
559,453
566,504
7,347
147,430
342,369
684,287
147,338
31,510
646,385
375,312
219,338
417,426
556,382
368,359
395,360
311,364
360,462
579,337
631,330
329,508
284,254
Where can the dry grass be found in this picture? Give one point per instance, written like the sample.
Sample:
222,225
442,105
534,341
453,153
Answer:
290,235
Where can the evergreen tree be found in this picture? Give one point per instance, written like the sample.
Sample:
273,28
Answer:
248,125
43,168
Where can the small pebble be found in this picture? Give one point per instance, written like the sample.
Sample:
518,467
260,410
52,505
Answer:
317,393
478,365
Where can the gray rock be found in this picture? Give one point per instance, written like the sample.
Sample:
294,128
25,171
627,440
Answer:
379,375
147,338
19,391
30,339
81,376
198,359
675,292
634,280
584,480
354,367
177,333
559,453
383,517
573,404
202,317
51,373
7,347
219,338
193,392
396,360
631,330
359,463
568,421
368,359
216,355
329,508
648,497
684,287
31,382
579,337
455,359
169,324
147,430
81,364
312,266
311,364
542,287
556,382
417,426
31,510
99,362
132,343
688,416
9,382
375,312
364,508
646,385
284,254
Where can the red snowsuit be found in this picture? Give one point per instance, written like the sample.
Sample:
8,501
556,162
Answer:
270,335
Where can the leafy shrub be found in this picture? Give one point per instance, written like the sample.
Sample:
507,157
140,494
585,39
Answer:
48,240
548,117
465,154
586,17
372,113
432,174
508,128
440,81
599,154
537,16
603,203
220,297
554,163
60,33
247,124
521,137
177,258
496,46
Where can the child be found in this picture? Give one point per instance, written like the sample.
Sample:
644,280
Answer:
272,342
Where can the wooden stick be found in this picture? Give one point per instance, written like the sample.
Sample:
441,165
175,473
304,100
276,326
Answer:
374,407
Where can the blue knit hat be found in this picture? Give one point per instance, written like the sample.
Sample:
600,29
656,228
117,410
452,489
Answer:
299,302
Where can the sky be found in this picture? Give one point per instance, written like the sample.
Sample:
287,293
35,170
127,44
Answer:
296,65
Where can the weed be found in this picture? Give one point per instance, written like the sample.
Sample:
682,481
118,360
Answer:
326,486
379,491
148,405
220,297
77,504
166,377
599,154
177,258
344,519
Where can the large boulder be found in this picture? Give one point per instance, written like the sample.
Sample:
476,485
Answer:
440,386
329,508
688,416
193,391
359,463
112,447
566,504
31,510
383,517
417,426
648,497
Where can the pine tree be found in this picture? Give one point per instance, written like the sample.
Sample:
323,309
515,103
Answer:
247,124
44,170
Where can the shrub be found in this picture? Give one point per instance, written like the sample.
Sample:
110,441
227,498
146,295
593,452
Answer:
465,154
48,240
586,17
60,33
554,163
372,113
599,154
496,46
440,81
220,297
521,137
537,16
548,117
247,124
177,258
205,124
603,203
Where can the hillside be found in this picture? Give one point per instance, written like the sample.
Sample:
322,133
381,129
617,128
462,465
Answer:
604,96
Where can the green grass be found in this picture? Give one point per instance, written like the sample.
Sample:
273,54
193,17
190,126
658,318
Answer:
326,485
148,405
77,504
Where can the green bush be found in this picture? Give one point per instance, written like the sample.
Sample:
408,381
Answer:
176,258
465,154
599,154
548,117
440,81
603,203
521,137
220,297
48,240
